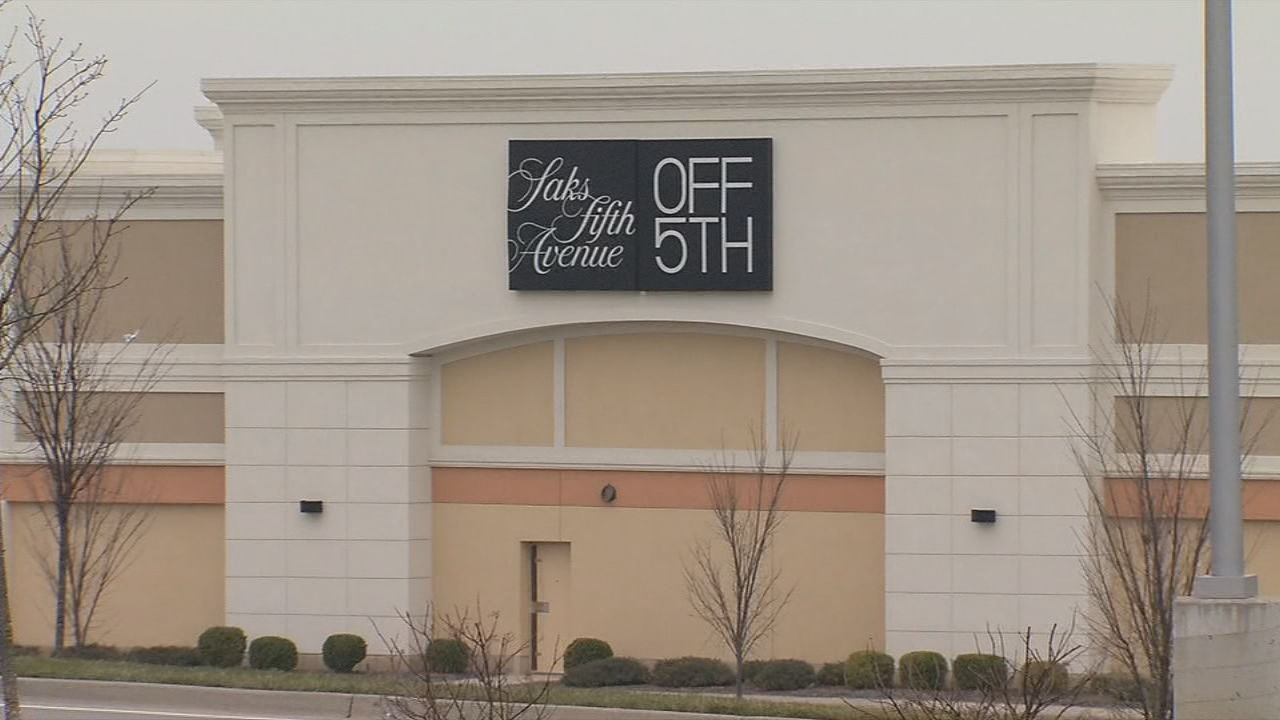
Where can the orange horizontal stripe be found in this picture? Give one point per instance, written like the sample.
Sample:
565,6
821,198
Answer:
1261,498
643,489
141,484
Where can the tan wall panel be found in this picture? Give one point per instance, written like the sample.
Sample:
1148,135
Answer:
169,276
830,400
1262,554
169,417
1162,256
1168,429
170,591
500,398
663,391
626,576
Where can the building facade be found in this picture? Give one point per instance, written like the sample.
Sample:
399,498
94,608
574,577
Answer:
916,310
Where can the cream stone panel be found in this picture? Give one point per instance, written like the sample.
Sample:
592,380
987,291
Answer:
499,398
1058,241
257,404
1161,263
664,390
317,404
830,400
931,194
626,576
170,591
255,195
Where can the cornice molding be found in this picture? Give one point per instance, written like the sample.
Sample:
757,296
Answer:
1181,181
1082,82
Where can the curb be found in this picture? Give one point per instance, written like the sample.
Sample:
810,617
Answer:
191,697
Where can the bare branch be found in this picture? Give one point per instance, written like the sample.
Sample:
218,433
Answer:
741,603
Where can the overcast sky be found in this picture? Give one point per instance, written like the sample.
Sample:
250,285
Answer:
176,42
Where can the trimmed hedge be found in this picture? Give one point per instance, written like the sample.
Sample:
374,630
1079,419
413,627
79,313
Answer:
92,652
606,672
868,670
977,671
447,655
922,670
831,674
1049,677
585,650
271,652
751,668
785,675
165,655
222,646
692,672
343,651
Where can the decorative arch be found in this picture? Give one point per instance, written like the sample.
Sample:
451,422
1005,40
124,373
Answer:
509,332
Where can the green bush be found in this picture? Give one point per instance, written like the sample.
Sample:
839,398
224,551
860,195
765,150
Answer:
868,670
447,655
785,675
1047,677
692,672
923,670
270,652
751,668
343,651
221,646
165,655
606,672
92,652
831,674
17,650
977,671
584,650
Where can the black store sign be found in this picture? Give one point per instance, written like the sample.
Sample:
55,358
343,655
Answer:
640,214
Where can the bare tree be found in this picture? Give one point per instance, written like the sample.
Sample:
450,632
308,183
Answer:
489,691
44,84
729,582
1147,535
76,400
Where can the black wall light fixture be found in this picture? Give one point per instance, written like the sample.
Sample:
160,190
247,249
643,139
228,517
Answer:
986,517
608,493
311,506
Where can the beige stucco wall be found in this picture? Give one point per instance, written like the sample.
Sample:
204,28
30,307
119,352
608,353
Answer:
169,592
1161,260
168,281
663,390
830,400
171,417
499,398
1181,424
626,576
1262,554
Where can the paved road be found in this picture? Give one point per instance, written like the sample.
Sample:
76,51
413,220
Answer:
55,710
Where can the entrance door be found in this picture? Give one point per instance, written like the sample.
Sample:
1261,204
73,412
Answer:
549,609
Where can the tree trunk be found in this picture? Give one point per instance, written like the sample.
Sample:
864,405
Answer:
8,675
737,681
60,586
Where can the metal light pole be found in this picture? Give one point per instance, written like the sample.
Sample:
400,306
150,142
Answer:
1226,521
